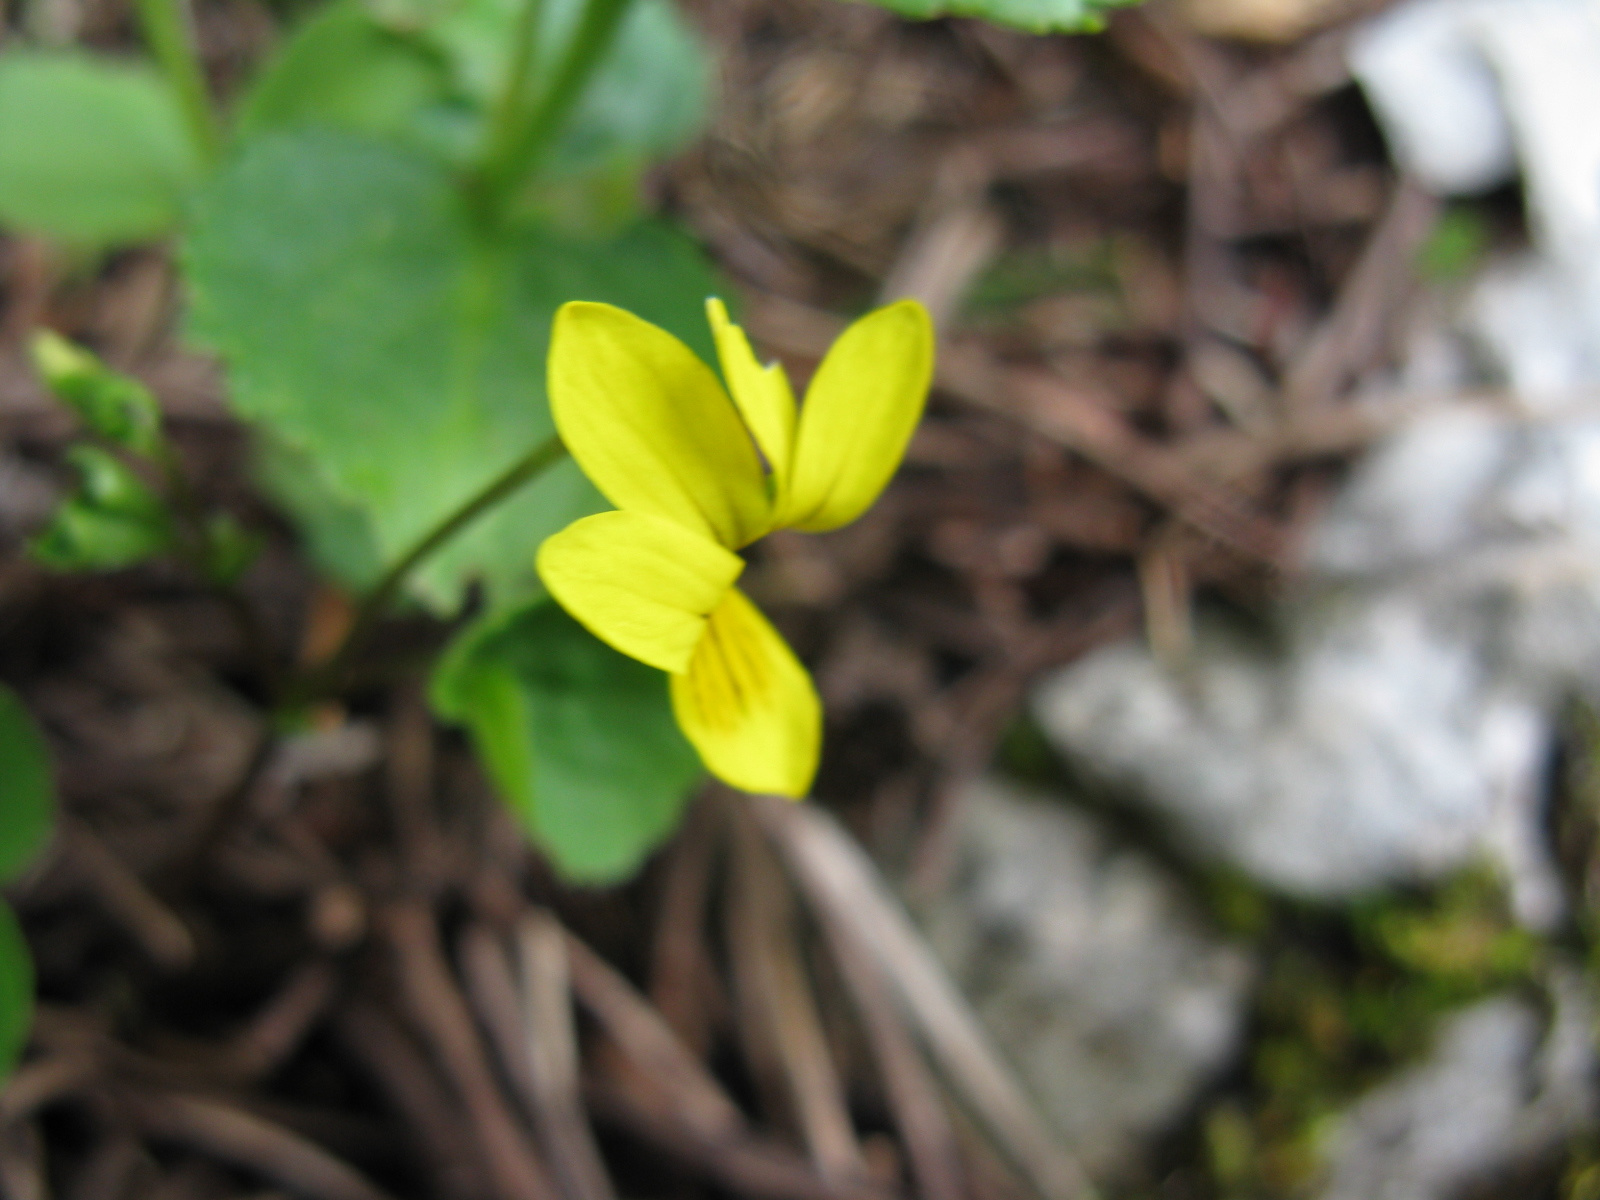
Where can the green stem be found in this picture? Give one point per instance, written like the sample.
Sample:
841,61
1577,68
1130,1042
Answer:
597,26
512,105
543,456
170,35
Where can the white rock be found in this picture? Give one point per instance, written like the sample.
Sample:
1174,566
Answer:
1496,1091
1470,92
1435,95
1372,752
1088,967
1398,722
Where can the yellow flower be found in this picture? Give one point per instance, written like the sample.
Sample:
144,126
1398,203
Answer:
695,478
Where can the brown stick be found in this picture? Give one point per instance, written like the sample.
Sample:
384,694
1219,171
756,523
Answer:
780,1022
685,1110
838,877
242,1139
533,1035
418,1095
409,770
546,978
155,927
1357,329
107,1172
745,1165
924,1125
439,1013
22,1172
283,1023
1065,416
644,1037
678,961
43,1082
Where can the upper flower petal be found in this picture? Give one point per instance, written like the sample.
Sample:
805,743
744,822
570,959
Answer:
762,394
863,403
640,583
651,426
748,706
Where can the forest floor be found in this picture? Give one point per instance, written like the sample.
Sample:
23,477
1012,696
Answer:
293,963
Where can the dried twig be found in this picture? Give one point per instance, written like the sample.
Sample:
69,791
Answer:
913,1093
22,1170
285,1020
745,1165
43,1082
1065,416
248,1141
1166,584
109,1169
681,1108
779,1011
548,1029
412,1086
155,927
408,779
681,976
841,882
439,1013
1362,320
698,1100
537,1048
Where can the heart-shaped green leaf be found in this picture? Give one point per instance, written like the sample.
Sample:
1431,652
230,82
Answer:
341,69
1035,16
580,740
370,327
93,151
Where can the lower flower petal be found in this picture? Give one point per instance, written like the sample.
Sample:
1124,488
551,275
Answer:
748,706
642,584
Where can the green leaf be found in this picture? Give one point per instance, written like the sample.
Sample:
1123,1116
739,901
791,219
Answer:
16,990
113,520
93,152
26,792
579,740
369,328
341,69
647,97
117,407
1034,16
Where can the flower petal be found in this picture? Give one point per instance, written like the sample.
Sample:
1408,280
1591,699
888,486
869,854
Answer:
762,394
640,583
651,426
859,411
748,706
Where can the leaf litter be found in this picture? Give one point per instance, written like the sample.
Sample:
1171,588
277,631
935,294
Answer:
321,962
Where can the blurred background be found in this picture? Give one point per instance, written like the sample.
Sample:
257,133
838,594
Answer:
1216,683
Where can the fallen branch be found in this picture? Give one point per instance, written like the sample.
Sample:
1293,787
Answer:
847,891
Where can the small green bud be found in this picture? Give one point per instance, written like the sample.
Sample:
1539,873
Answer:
113,521
117,407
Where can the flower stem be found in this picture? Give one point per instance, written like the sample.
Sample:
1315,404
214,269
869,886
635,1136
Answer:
511,107
376,602
168,31
526,137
